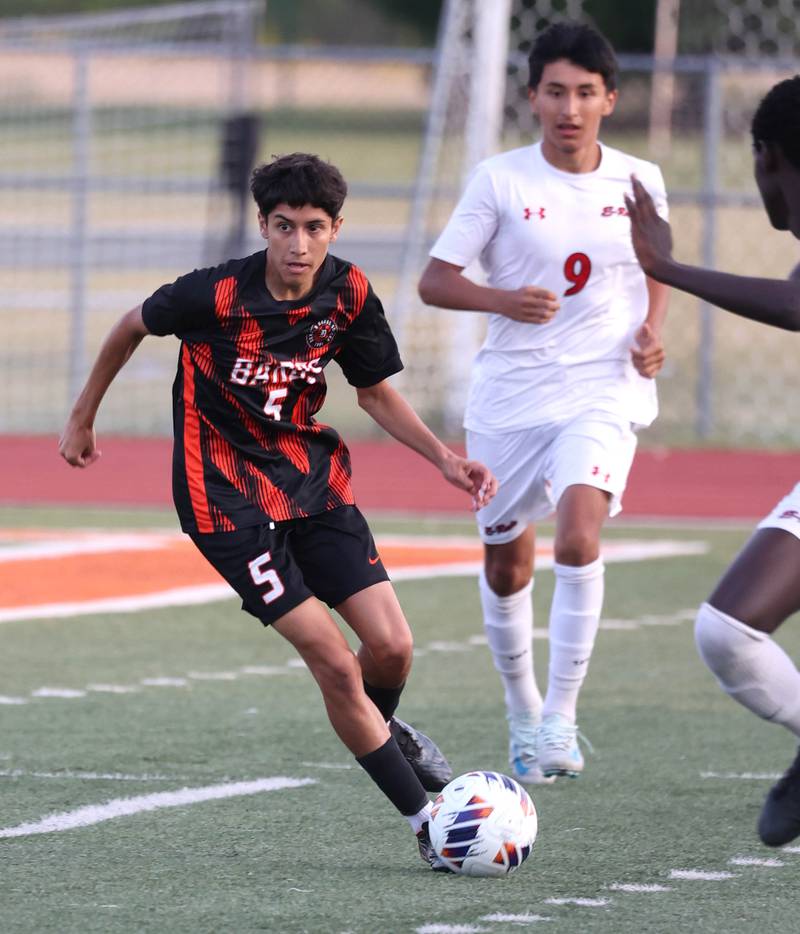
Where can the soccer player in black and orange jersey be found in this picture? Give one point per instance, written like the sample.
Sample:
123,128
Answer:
761,589
262,488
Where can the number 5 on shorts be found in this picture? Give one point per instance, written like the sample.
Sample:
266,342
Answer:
261,574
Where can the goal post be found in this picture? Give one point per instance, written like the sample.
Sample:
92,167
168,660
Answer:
472,85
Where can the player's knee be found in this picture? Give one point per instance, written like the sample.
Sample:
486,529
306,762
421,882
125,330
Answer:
339,677
724,643
576,547
393,654
506,577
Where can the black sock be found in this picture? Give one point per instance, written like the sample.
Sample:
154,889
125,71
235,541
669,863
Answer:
385,699
390,771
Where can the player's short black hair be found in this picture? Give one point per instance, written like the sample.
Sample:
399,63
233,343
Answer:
298,179
777,119
578,43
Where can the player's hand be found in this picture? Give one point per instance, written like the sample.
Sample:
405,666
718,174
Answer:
648,355
651,235
530,304
78,445
472,476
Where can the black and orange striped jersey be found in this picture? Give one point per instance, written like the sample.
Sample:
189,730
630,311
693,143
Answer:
251,379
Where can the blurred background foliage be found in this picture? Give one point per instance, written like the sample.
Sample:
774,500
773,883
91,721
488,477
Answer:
628,23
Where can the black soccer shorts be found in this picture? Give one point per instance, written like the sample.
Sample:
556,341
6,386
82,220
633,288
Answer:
276,566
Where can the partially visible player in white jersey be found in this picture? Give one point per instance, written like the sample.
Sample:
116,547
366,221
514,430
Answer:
563,380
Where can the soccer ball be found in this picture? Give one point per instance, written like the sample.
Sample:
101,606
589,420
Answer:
483,824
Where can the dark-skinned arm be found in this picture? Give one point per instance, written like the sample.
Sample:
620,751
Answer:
775,302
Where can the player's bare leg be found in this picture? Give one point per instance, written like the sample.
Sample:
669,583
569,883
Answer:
506,585
322,646
376,617
356,720
508,567
756,594
574,620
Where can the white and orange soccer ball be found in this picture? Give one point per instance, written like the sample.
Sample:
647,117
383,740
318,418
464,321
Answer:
483,824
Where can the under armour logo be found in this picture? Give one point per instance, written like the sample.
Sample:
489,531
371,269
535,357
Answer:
529,213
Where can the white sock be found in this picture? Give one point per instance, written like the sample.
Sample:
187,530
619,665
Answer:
574,619
418,819
750,666
508,622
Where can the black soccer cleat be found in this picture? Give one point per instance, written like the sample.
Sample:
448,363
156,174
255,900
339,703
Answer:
779,821
422,754
427,852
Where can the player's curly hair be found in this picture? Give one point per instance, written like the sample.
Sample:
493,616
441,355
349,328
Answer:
578,43
777,119
297,179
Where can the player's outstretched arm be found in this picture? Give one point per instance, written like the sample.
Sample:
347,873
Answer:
391,411
771,301
442,284
78,445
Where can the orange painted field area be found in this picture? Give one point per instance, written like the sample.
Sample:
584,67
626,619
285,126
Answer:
165,561
71,573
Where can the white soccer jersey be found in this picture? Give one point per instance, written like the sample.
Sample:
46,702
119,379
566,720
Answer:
530,223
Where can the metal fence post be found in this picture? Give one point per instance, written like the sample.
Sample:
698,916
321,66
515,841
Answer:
712,131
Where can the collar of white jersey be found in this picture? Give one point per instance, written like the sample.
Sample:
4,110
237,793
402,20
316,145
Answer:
602,165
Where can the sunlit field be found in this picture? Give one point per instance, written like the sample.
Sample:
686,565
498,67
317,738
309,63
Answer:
259,819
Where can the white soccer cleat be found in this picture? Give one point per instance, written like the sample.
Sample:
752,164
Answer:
522,753
557,747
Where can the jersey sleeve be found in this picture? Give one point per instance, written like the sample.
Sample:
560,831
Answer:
181,306
369,352
472,224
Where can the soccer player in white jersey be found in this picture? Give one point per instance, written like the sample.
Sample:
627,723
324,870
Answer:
761,589
563,379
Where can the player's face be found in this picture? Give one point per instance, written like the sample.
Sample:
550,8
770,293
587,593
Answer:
298,244
570,103
765,169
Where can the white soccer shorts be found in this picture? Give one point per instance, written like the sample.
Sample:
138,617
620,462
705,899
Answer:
535,466
786,515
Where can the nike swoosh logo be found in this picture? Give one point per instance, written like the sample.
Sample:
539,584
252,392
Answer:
374,560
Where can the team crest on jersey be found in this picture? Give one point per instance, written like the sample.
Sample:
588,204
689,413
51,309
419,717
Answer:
321,333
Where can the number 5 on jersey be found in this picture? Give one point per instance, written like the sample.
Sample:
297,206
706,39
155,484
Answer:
577,269
272,407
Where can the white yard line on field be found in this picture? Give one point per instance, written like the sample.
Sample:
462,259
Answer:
638,887
700,875
177,596
93,776
125,807
743,776
93,544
